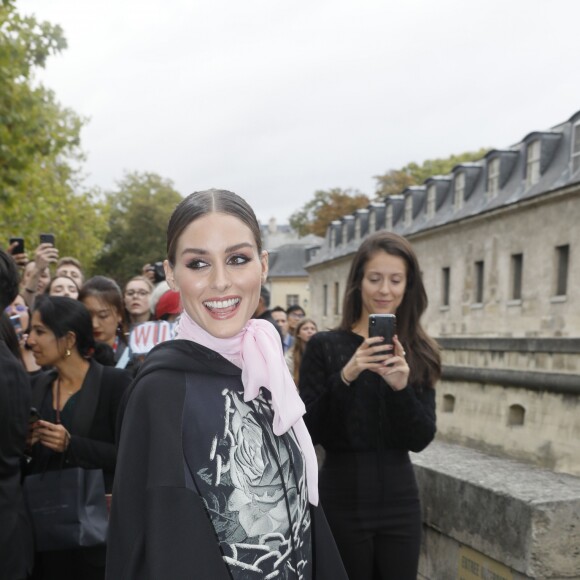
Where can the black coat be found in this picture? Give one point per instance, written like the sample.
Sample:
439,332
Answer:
161,526
92,446
92,432
16,551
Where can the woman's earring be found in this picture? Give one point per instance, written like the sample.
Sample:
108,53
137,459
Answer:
67,353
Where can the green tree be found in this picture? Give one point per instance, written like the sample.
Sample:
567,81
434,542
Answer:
327,205
395,181
33,126
138,214
40,151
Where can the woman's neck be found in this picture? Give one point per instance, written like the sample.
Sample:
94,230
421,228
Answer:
361,327
72,371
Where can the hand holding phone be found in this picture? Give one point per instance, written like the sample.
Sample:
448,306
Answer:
34,415
16,246
17,325
384,325
47,239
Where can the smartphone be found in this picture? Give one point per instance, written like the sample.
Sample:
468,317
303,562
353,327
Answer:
17,325
47,239
384,325
19,247
34,415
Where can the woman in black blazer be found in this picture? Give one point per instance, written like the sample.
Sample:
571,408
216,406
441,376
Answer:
78,402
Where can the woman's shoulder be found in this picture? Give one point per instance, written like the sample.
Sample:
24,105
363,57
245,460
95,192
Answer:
113,375
335,337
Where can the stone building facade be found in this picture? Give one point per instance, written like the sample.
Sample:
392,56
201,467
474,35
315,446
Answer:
498,243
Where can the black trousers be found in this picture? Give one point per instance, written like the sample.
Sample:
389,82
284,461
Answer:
372,504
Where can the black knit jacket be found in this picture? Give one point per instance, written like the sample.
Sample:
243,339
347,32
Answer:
367,415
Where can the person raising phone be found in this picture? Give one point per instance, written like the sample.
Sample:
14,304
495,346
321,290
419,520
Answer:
368,404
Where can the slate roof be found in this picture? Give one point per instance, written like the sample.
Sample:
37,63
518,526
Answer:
289,260
558,168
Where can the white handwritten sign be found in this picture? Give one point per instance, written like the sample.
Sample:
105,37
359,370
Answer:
145,336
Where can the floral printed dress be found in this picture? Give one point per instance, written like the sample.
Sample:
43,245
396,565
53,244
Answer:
252,482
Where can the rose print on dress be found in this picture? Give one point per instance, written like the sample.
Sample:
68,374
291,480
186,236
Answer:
256,496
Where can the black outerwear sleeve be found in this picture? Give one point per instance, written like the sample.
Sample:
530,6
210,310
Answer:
327,561
367,414
16,542
158,528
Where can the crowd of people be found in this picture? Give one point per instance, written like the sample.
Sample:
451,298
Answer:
206,444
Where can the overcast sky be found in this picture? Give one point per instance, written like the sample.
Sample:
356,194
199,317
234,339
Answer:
276,99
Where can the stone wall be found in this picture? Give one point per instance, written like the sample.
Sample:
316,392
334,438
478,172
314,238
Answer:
492,518
517,398
491,237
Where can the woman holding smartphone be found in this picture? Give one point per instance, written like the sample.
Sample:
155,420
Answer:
368,404
217,475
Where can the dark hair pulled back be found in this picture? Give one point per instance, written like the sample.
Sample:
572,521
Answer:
202,203
63,315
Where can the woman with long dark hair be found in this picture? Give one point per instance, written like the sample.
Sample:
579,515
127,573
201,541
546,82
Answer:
369,404
78,402
217,475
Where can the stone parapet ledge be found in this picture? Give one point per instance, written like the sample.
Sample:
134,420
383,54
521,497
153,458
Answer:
551,355
524,517
567,384
549,345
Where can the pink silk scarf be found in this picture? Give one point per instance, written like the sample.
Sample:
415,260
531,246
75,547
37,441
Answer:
257,350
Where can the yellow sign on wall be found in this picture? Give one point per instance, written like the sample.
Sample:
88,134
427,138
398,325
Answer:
476,566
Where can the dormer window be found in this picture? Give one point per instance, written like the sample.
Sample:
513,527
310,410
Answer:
459,190
431,197
493,177
533,163
357,228
389,224
408,210
372,222
333,238
576,148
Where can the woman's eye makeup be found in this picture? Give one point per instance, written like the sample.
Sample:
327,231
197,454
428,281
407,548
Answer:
196,264
239,259
234,260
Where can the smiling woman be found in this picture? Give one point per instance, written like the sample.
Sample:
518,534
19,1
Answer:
213,445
